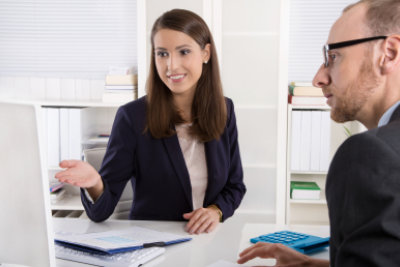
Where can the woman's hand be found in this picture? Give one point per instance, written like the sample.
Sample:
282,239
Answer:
202,220
82,174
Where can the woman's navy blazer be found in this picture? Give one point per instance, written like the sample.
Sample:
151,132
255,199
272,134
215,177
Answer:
160,179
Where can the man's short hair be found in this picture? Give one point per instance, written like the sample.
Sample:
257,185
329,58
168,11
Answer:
383,16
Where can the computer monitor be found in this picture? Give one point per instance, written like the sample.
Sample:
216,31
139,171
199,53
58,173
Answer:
26,233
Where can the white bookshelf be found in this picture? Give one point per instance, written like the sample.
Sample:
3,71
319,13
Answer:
80,92
95,118
312,211
69,202
314,202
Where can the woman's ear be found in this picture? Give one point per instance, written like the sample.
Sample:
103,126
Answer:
391,56
206,53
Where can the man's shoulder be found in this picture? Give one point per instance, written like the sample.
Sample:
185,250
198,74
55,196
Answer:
371,145
388,134
389,131
363,160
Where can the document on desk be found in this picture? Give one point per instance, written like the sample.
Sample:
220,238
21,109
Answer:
116,241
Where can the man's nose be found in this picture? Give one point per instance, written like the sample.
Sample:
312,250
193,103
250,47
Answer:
322,77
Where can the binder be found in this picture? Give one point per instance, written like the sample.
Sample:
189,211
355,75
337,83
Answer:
315,140
75,134
64,134
295,140
325,141
305,140
53,136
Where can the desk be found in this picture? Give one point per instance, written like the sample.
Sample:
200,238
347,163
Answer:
225,242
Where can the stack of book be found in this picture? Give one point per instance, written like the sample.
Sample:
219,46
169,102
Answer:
304,190
120,85
305,94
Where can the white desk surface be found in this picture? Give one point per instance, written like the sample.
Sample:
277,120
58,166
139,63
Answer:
224,243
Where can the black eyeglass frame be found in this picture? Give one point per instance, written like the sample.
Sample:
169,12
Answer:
327,47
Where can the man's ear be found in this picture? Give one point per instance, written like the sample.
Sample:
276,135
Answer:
390,59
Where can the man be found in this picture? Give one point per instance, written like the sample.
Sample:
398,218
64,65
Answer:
361,80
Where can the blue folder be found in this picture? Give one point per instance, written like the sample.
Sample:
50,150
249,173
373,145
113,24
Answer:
96,250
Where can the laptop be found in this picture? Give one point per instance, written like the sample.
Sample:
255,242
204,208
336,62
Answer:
25,226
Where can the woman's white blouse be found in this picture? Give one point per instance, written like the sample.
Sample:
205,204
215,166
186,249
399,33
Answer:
195,159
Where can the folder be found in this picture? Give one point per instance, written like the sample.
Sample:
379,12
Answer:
111,242
305,140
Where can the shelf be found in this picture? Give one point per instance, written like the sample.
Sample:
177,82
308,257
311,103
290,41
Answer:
314,202
68,202
325,107
68,103
80,104
308,173
69,214
309,211
96,140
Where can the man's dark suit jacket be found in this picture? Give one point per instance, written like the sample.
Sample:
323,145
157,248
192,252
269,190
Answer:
160,179
363,194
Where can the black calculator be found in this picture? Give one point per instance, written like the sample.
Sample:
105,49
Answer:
303,243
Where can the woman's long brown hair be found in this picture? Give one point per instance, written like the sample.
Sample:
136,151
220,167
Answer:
209,113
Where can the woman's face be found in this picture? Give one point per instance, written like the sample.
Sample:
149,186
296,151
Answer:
179,60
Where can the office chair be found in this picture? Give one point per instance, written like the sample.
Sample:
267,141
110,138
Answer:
94,157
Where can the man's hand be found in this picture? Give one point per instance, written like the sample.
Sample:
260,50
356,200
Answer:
285,256
202,220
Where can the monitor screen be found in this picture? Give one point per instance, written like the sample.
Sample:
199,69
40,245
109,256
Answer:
25,226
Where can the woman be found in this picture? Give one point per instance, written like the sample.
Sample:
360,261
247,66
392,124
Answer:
178,144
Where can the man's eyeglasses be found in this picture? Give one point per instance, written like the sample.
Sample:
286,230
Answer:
327,47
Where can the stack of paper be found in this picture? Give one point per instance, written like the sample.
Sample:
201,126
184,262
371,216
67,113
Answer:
120,85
